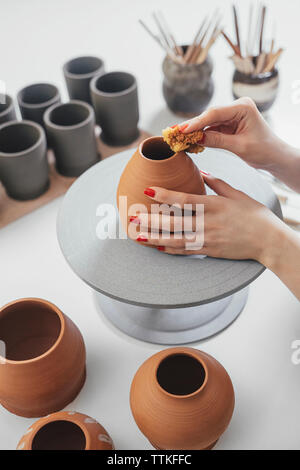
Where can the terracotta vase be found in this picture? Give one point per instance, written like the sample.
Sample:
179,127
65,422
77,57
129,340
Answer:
182,399
43,366
155,164
66,430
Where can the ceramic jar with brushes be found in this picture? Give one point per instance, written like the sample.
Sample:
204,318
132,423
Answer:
187,86
256,75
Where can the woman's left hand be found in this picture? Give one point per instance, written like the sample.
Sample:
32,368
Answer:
235,225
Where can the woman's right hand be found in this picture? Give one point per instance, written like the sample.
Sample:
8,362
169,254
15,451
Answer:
241,129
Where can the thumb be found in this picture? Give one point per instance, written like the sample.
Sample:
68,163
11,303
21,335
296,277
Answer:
221,188
219,140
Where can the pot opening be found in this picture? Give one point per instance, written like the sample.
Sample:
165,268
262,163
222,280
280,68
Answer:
38,93
59,435
69,114
83,65
28,329
18,137
155,148
4,106
115,82
180,374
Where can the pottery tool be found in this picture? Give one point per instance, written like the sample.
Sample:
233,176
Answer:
251,63
197,51
167,311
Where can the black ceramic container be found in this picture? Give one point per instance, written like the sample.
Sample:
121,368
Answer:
23,159
7,109
262,88
35,99
71,129
115,100
78,73
187,88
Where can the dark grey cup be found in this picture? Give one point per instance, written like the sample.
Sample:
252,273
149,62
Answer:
187,88
7,109
115,100
34,99
78,73
71,128
24,167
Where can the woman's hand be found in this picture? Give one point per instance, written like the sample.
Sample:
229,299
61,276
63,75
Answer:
235,226
241,129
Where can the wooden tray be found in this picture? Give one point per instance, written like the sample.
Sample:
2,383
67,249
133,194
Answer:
11,210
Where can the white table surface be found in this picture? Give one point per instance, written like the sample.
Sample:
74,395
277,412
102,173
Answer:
37,38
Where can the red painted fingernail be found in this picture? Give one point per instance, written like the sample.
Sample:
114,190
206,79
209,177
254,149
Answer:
204,173
161,248
142,239
182,128
149,192
134,219
173,127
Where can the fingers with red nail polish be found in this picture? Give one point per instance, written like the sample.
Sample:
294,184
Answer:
141,238
134,219
183,127
161,248
149,192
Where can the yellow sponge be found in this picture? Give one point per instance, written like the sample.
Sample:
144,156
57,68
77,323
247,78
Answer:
179,141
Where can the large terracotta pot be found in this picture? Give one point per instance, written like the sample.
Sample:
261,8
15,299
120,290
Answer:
44,365
154,164
182,399
66,430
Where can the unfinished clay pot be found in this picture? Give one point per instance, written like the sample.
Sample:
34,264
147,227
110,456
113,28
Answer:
182,399
66,430
44,365
155,164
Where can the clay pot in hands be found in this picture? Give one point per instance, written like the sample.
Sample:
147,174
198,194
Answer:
155,164
44,365
182,399
66,430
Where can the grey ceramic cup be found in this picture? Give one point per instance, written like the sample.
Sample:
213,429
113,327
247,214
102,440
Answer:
187,88
34,99
7,109
24,167
71,128
115,100
78,73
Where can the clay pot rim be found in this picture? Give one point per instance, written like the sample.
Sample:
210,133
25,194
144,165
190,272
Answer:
79,76
190,66
161,139
55,309
42,103
10,105
23,153
66,417
48,122
180,352
128,90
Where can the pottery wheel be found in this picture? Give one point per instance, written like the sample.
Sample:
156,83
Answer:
140,276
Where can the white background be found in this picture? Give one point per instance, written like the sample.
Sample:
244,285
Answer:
37,37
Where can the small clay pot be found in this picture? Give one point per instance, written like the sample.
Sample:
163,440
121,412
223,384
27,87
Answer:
115,100
66,430
155,164
35,99
182,399
71,130
187,88
7,109
78,73
262,88
44,365
24,167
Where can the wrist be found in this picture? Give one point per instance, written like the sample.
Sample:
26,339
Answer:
281,158
279,239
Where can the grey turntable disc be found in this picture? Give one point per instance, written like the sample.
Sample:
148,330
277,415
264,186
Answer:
139,276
